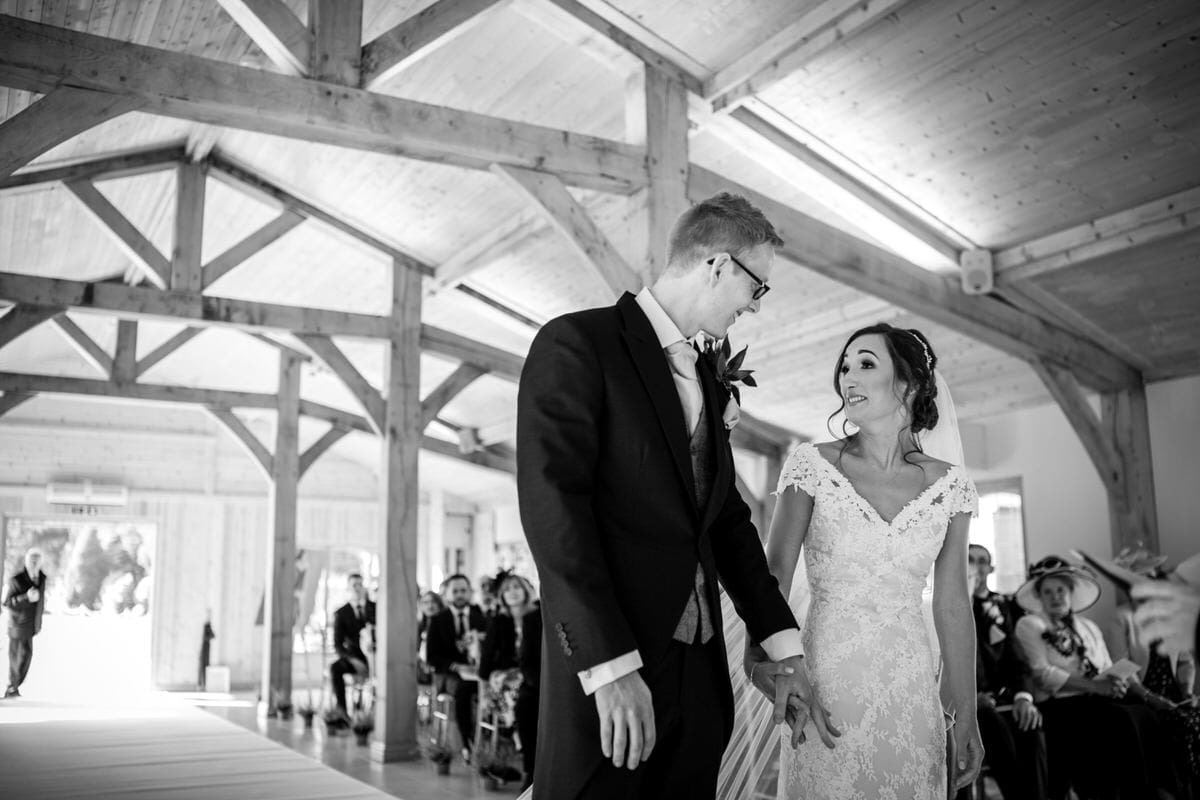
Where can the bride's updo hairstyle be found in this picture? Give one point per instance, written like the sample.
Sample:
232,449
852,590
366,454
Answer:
914,362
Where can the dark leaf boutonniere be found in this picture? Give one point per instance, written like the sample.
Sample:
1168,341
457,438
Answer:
728,370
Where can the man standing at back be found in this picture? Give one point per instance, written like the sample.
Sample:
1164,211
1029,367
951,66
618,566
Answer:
25,599
349,621
627,497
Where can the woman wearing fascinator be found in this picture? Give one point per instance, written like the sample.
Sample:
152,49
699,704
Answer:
1104,740
871,512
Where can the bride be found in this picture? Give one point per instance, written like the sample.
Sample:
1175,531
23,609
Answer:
871,513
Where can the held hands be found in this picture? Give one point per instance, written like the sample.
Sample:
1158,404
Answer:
796,700
626,720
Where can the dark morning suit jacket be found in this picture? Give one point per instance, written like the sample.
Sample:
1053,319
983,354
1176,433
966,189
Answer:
24,617
605,484
347,628
500,649
441,643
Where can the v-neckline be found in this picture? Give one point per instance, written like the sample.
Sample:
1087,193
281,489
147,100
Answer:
844,478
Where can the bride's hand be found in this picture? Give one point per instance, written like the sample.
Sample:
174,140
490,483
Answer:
792,687
763,675
968,755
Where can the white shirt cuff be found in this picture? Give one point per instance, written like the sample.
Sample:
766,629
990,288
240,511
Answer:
1022,696
604,674
784,644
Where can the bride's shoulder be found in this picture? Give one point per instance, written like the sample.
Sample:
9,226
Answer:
934,468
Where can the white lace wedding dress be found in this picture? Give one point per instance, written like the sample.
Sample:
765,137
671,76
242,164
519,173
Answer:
867,644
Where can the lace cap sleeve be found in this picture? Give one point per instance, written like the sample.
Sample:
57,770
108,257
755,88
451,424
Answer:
964,498
800,470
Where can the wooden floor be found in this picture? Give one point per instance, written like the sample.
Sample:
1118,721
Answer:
161,748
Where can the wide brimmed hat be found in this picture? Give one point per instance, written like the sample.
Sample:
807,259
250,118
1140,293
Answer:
1083,596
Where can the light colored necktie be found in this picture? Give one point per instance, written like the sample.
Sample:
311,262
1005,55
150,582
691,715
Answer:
682,358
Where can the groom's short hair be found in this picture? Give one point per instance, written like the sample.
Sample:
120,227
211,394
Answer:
724,223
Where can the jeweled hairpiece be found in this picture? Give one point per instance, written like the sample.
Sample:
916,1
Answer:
925,347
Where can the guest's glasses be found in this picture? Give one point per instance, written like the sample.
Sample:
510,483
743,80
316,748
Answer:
761,288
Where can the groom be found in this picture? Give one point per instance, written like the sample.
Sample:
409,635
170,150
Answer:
626,485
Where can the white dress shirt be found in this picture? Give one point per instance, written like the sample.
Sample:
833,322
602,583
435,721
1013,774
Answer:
781,645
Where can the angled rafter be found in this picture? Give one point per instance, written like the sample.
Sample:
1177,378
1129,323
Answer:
336,27
115,165
1113,233
452,345
479,252
227,261
39,58
368,397
24,317
565,214
140,250
85,345
725,90
189,227
848,260
320,446
245,437
272,26
10,400
165,349
447,390
1087,424
430,29
484,457
52,120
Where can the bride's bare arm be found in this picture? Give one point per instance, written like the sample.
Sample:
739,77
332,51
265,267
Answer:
789,527
955,626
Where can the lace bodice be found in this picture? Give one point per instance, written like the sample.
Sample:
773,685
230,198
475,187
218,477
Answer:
866,639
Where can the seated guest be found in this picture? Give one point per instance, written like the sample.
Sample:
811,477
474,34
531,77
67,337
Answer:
448,649
349,621
429,606
1103,747
511,660
1013,741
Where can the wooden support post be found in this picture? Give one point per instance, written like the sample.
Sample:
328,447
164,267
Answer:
1132,510
279,613
667,159
125,357
396,657
336,27
186,274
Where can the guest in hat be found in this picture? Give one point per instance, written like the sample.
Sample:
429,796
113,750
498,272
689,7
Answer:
1097,743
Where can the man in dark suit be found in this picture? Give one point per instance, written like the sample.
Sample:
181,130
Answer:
626,485
1013,740
348,624
25,598
447,648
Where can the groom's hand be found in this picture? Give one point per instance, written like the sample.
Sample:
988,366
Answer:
626,720
792,689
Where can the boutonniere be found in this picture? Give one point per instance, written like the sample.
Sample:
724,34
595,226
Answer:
729,373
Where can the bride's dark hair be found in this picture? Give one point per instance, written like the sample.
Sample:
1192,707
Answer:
914,362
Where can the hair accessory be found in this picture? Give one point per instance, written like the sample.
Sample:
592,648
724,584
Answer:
925,347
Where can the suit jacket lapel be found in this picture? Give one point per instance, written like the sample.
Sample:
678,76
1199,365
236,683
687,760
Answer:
655,372
716,436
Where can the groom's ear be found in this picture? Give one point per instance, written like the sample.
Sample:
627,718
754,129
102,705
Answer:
714,266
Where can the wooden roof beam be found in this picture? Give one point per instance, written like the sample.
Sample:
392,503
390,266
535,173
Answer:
1150,222
367,396
244,436
255,242
165,349
113,165
428,30
40,58
846,259
10,400
318,448
85,345
24,317
153,265
336,27
53,119
272,26
447,390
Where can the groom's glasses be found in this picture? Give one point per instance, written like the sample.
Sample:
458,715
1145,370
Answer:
761,288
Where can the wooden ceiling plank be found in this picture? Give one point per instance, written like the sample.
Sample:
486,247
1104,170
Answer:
186,269
368,397
24,317
165,349
113,165
272,26
38,57
336,27
232,258
429,30
140,301
320,446
140,250
53,119
244,436
85,345
797,150
1149,222
447,390
842,257
550,197
860,16
10,400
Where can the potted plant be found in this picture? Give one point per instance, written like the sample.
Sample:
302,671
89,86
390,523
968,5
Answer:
334,719
439,754
283,704
362,725
306,712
